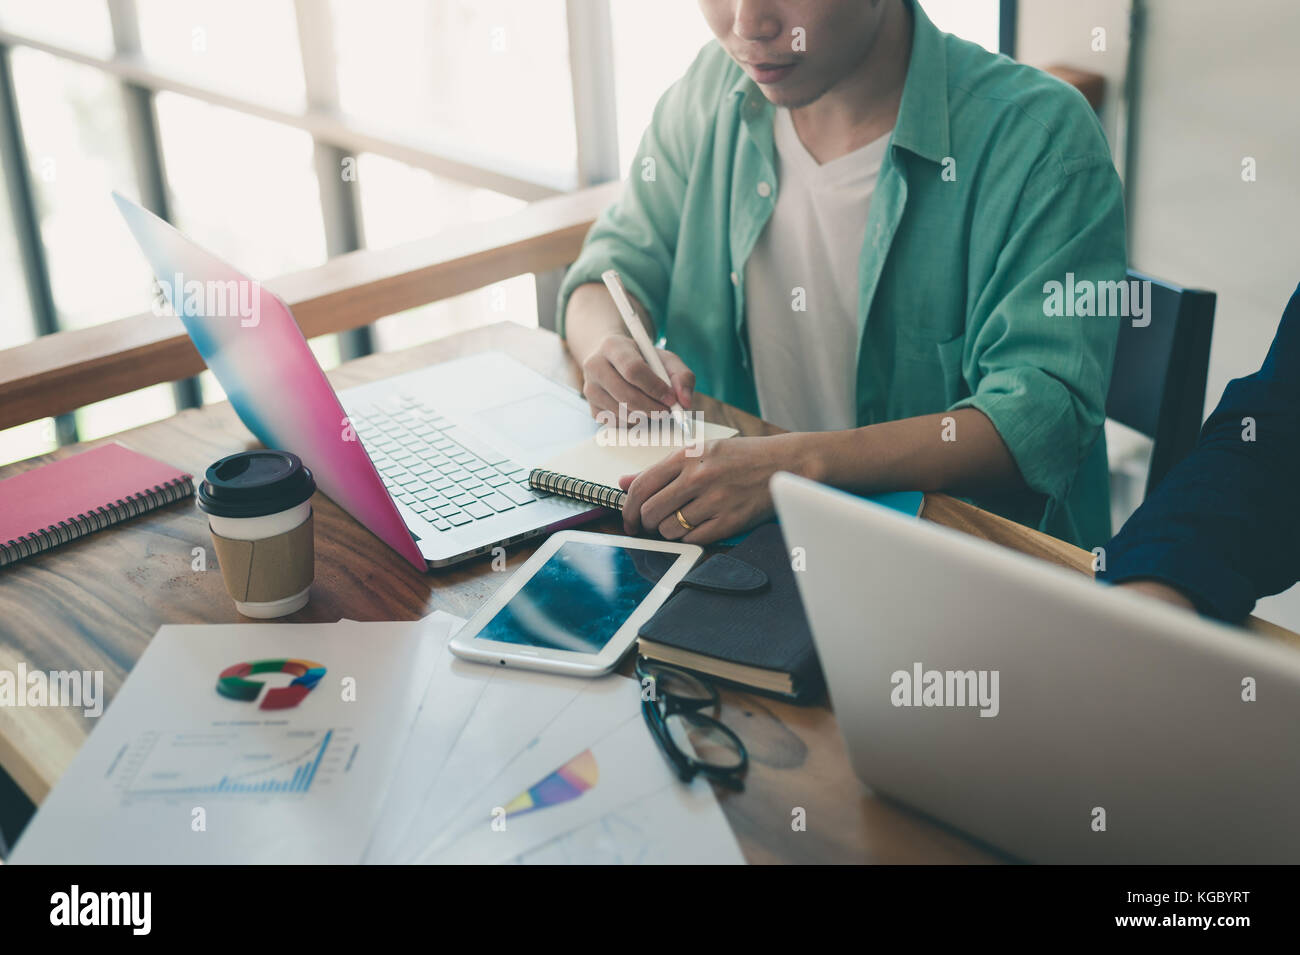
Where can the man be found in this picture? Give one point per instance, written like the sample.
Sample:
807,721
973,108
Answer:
847,222
1223,528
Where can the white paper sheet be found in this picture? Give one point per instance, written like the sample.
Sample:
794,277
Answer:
177,773
435,729
610,454
509,709
614,818
676,825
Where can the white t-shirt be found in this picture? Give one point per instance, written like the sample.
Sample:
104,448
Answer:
806,362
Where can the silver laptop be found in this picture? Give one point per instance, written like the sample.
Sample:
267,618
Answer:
454,444
1117,729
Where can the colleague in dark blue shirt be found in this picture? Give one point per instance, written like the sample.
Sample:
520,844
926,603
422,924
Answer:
1223,529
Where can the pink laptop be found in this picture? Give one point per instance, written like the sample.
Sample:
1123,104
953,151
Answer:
435,462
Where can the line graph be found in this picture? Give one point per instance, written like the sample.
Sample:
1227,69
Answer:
239,761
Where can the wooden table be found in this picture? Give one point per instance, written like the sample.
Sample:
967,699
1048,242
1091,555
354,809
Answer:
96,603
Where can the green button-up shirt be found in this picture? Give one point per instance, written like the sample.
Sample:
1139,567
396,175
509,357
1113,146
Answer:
997,181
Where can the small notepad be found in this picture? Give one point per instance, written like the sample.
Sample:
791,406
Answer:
589,471
72,497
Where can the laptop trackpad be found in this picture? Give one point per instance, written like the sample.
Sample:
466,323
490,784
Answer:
536,422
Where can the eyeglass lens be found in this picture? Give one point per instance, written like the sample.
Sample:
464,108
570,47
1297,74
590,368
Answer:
704,739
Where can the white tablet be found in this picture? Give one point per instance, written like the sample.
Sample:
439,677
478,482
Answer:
575,606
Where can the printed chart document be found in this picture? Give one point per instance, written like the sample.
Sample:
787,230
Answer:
676,825
242,743
453,690
587,784
506,710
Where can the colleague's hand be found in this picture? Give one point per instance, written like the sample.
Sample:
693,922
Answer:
1154,588
615,372
720,492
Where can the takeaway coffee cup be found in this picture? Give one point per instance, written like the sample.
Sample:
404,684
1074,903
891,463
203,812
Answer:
259,511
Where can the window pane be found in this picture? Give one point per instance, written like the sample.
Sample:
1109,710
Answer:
79,24
74,125
27,440
487,75
125,411
210,389
245,47
16,325
512,300
242,187
400,203
974,20
245,189
326,350
654,43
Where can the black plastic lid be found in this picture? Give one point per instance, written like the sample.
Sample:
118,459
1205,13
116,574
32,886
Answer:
255,483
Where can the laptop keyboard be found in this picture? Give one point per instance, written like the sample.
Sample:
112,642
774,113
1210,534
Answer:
438,469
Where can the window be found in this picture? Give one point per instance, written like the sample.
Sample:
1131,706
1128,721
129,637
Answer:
246,189
27,440
17,326
399,204
81,25
74,124
486,77
241,186
245,47
654,43
125,411
974,20
483,88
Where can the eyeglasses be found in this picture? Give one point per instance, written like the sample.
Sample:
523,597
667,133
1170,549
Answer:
674,704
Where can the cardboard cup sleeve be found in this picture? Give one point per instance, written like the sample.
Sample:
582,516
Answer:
268,569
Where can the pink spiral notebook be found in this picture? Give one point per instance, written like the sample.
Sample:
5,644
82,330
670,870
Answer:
70,498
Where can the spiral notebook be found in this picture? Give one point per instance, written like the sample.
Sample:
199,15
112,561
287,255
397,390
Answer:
70,498
589,471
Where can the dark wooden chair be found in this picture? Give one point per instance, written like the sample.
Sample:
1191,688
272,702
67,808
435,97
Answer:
1158,385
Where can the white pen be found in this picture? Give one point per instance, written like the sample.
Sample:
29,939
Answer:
648,350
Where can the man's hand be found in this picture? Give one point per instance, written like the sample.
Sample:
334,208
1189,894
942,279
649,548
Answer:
616,373
720,492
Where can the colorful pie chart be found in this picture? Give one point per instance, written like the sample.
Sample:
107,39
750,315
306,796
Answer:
568,782
234,683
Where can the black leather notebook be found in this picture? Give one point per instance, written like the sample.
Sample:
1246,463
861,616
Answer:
737,618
